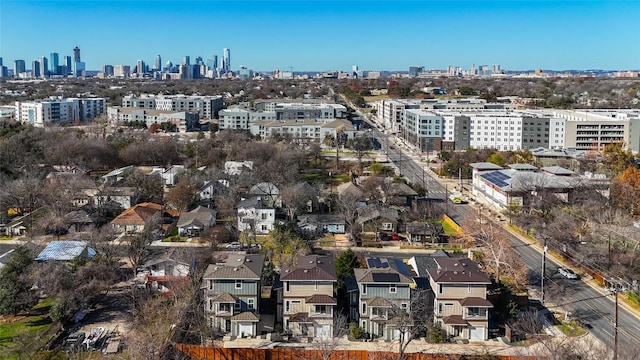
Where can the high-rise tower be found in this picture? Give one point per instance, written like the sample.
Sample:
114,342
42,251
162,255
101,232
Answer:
55,62
19,67
44,66
76,54
158,64
226,60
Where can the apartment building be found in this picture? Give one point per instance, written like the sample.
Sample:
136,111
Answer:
304,129
65,111
207,107
232,295
422,128
306,297
594,129
183,120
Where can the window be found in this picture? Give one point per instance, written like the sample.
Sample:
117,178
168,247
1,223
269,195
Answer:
404,306
439,288
210,304
354,297
238,304
364,308
287,286
210,284
251,303
287,306
315,283
469,289
387,226
473,311
238,284
322,309
393,289
264,216
364,289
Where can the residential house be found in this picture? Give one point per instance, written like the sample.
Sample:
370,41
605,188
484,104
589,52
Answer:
194,222
350,190
124,196
321,223
383,297
232,295
306,297
460,307
399,193
237,167
165,272
79,221
375,218
18,225
172,175
66,251
116,175
210,189
309,194
424,232
268,192
134,220
254,217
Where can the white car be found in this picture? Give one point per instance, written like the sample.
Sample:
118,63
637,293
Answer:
233,245
568,273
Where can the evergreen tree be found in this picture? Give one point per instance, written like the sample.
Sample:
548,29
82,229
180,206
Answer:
16,292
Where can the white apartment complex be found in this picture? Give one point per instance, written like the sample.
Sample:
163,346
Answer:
475,123
67,111
184,121
207,107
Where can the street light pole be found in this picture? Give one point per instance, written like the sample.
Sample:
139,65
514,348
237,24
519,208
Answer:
544,263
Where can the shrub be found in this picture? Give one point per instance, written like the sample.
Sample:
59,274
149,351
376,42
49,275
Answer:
355,332
435,334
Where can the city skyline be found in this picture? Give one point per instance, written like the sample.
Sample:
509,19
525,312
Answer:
319,36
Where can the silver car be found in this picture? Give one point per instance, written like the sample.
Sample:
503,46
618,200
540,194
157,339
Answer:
568,273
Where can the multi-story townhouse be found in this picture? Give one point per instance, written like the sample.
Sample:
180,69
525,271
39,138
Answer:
460,307
232,295
306,301
254,217
383,297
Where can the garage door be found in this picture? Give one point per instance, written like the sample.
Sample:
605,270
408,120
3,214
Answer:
245,329
476,333
323,331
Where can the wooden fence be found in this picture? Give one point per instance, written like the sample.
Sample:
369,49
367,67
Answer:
215,353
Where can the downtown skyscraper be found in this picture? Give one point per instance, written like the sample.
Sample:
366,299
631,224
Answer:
226,60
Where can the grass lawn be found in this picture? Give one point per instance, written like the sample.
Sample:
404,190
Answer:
448,229
571,328
37,323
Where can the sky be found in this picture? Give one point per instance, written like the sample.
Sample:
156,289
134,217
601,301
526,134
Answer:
329,35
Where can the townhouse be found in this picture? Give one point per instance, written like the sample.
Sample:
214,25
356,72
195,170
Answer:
306,297
382,297
232,295
460,306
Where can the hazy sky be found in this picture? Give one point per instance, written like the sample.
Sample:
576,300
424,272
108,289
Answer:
328,35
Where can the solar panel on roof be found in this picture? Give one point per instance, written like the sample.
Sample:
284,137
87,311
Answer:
497,178
371,263
402,267
384,265
385,277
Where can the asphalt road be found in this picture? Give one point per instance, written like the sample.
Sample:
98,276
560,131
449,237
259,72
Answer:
585,304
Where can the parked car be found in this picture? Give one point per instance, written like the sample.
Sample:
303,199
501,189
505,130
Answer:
233,246
394,237
568,273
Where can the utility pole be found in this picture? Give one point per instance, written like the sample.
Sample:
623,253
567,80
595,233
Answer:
615,326
544,263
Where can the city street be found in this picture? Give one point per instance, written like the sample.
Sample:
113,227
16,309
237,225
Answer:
585,302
